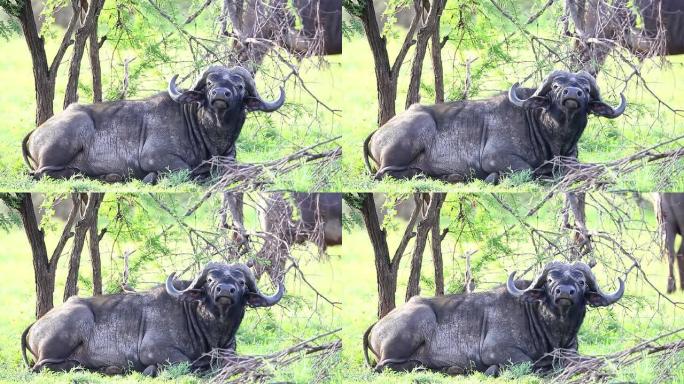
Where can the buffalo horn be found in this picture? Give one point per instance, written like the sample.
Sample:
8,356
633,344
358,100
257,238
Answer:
593,285
250,281
171,289
173,89
266,106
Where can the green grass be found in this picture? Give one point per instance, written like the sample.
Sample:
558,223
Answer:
300,123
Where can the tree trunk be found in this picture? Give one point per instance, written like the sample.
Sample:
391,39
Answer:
95,68
386,276
82,36
385,80
576,203
43,84
424,34
437,69
94,244
437,259
82,227
44,276
431,217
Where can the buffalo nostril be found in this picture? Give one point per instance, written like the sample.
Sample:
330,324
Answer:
565,92
218,289
232,290
226,93
572,291
579,93
557,291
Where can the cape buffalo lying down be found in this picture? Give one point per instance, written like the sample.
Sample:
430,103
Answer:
487,330
177,322
169,131
481,139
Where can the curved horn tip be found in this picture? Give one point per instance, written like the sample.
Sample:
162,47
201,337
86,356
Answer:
513,97
172,89
271,106
170,289
275,298
510,286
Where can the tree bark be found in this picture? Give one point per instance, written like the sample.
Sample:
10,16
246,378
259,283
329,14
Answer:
94,244
82,36
385,81
82,227
424,227
43,274
386,277
437,259
95,67
576,203
424,34
437,68
43,84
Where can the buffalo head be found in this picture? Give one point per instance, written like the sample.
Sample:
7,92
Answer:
220,88
564,286
569,93
220,287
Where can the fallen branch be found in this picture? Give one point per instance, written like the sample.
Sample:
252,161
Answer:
228,367
584,177
592,369
242,177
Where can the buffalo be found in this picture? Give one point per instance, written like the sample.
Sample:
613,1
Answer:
173,323
666,16
314,217
170,131
486,331
671,218
483,139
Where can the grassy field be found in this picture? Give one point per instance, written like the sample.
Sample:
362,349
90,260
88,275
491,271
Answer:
646,121
300,123
348,277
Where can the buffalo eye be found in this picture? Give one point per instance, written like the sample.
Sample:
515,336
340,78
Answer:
581,283
209,280
242,282
209,83
550,280
555,86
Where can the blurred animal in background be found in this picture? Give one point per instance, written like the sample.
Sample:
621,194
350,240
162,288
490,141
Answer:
669,208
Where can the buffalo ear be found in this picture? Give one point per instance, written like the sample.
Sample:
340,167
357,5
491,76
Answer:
533,295
595,299
252,103
599,108
255,300
190,97
535,102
